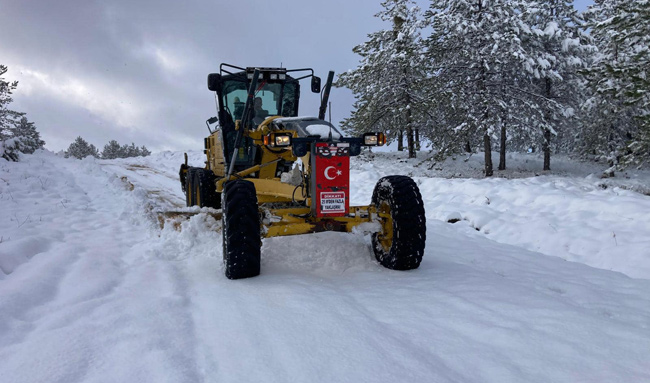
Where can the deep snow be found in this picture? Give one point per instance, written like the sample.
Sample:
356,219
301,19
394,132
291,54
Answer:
93,290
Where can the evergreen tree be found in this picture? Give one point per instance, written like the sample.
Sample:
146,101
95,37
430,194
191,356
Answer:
80,149
144,152
7,116
499,64
388,81
10,146
114,150
111,150
124,151
133,151
561,49
476,46
620,78
30,137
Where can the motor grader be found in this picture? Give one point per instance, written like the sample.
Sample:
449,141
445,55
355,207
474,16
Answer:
273,173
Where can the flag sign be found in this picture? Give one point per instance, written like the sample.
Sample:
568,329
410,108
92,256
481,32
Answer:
330,164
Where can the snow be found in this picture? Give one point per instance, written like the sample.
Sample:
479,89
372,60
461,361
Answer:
323,131
530,285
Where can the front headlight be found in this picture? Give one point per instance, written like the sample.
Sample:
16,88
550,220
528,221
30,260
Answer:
282,140
278,140
374,139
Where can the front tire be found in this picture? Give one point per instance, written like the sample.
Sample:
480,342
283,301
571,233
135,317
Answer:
241,230
400,244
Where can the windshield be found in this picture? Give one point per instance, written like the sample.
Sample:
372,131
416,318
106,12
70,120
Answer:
275,99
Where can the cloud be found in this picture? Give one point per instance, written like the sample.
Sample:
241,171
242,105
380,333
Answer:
135,71
98,98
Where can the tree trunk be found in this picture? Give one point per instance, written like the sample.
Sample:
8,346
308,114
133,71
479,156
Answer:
546,147
417,139
409,131
400,140
502,149
487,146
409,141
468,147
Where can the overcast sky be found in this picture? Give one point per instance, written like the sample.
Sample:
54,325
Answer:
135,70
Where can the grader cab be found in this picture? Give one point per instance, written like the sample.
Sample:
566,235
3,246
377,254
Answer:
273,173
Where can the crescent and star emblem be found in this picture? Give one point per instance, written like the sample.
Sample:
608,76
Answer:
326,173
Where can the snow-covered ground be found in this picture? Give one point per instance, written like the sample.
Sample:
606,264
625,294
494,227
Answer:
542,279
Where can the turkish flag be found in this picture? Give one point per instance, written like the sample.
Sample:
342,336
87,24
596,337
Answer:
330,164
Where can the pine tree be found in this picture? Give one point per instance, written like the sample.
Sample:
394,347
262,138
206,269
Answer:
387,82
80,149
133,151
7,116
30,137
111,150
559,50
476,46
499,64
10,146
114,150
620,78
124,151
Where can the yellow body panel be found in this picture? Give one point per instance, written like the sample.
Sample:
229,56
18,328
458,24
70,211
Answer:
296,221
269,189
214,152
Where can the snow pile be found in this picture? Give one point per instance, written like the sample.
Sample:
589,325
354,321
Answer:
92,289
581,218
569,218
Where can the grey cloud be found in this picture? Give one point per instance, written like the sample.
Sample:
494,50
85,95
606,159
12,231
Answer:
135,71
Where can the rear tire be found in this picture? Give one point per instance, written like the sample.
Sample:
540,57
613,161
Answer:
241,230
205,191
400,244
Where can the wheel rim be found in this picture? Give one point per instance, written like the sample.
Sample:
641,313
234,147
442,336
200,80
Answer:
385,236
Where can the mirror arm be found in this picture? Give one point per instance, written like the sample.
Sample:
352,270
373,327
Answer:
326,95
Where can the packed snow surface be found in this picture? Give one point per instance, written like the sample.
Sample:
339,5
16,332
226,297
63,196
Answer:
540,279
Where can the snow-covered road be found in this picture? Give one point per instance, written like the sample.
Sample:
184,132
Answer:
92,290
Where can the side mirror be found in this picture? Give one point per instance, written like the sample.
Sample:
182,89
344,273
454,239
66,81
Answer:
209,122
315,84
214,81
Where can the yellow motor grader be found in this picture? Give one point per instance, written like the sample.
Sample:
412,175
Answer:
273,173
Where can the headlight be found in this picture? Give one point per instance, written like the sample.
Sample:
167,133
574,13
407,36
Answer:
374,139
370,140
282,140
278,139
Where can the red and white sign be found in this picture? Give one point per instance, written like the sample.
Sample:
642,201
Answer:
332,202
331,189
